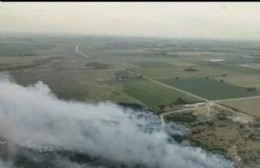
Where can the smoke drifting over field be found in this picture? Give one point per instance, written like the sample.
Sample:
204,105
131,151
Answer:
35,119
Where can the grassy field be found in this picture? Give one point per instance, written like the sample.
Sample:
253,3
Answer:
254,66
250,106
178,70
25,46
251,80
16,61
240,69
210,88
153,94
150,64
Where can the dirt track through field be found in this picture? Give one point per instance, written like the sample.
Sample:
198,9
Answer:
78,52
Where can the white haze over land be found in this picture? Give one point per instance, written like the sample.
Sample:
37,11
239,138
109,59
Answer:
224,20
34,117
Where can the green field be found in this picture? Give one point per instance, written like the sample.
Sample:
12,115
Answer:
210,88
153,94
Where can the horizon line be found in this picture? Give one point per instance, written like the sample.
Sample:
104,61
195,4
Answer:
128,36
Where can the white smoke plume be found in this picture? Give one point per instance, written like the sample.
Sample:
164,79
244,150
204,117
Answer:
35,118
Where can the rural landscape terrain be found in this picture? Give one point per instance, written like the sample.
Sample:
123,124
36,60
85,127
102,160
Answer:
211,87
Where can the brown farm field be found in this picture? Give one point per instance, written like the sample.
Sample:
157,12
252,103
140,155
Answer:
249,106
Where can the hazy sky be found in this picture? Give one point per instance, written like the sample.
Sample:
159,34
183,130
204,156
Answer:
160,19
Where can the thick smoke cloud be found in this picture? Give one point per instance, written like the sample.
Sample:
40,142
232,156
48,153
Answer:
34,118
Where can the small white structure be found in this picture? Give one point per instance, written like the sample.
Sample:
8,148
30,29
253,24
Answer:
215,60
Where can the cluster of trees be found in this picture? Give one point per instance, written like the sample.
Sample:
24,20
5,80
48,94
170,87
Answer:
250,89
190,69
